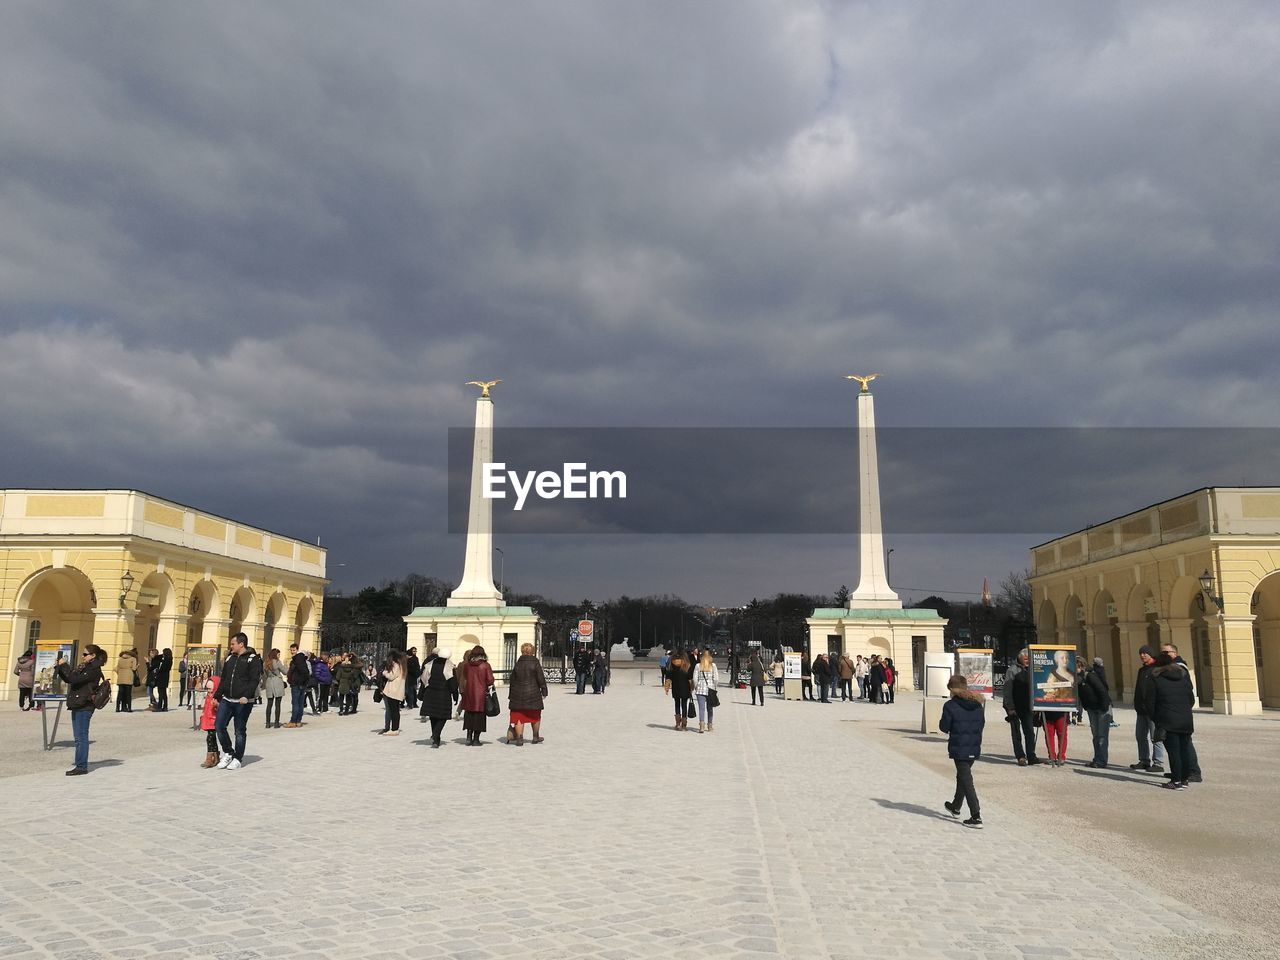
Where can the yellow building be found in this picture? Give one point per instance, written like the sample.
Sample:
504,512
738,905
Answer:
1201,570
124,569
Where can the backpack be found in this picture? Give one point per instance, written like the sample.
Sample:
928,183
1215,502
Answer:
102,695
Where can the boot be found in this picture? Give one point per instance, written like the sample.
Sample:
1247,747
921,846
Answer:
210,760
710,727
702,727
677,723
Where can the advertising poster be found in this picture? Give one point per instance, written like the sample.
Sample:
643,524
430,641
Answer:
48,686
202,662
974,664
791,665
1053,676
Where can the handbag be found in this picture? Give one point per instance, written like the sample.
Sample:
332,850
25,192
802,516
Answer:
377,695
713,698
136,679
491,706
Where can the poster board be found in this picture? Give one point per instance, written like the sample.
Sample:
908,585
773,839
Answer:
49,687
974,664
792,665
202,663
1053,676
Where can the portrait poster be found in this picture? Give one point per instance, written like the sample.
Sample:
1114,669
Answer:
48,686
1053,676
974,664
791,665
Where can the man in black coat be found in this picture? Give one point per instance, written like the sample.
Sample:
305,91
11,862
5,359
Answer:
412,674
163,672
1193,771
298,676
1017,709
581,668
821,671
241,675
1095,700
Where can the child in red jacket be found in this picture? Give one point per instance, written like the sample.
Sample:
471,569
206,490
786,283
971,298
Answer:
207,722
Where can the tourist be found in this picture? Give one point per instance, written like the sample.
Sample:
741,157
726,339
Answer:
273,686
163,672
581,668
680,671
1150,754
1017,709
479,677
806,679
821,672
82,684
844,667
153,668
412,673
241,673
323,677
963,717
861,670
890,679
25,671
706,681
298,676
779,673
394,673
348,683
126,677
183,692
1055,735
1095,700
334,660
460,683
663,662
875,679
599,673
526,696
438,689
1172,700
1194,769
755,677
209,718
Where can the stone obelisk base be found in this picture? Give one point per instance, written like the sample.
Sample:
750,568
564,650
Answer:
500,630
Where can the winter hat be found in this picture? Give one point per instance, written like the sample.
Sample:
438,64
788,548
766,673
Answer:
1097,661
1147,650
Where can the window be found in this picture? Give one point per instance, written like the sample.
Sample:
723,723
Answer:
509,641
33,633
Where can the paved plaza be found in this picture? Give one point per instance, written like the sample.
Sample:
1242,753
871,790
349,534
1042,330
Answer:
793,830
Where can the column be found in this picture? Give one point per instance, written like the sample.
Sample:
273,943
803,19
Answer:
1177,630
309,640
1234,668
873,584
477,588
1133,635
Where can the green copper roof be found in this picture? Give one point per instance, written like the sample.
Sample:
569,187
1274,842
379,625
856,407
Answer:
433,613
862,613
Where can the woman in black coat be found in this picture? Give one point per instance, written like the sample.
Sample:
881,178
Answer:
680,672
1173,698
877,681
81,682
438,690
527,691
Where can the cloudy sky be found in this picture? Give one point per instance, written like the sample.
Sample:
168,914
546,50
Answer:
250,252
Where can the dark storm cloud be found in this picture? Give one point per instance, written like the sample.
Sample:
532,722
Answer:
271,241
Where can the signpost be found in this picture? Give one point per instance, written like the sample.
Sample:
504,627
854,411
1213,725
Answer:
203,662
792,671
49,687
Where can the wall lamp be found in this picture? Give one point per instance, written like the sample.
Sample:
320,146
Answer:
1207,586
126,584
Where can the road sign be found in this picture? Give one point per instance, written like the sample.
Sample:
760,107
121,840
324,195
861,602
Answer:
586,628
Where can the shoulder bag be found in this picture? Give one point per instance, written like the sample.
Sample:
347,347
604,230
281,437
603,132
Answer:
491,705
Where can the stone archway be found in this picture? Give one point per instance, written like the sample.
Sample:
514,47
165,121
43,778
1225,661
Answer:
303,619
1047,623
153,614
241,611
1199,656
1266,638
54,604
203,605
1104,640
272,618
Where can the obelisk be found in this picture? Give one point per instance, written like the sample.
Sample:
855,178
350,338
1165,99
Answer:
477,588
873,591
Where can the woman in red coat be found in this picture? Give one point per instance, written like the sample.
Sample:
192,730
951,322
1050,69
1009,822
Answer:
479,677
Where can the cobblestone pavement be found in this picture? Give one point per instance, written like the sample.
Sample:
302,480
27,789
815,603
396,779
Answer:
786,832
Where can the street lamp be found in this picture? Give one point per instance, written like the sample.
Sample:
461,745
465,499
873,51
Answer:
126,583
1206,586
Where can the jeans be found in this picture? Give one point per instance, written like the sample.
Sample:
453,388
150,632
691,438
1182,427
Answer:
1023,728
124,698
1100,727
80,729
806,688
25,702
1179,745
846,689
890,691
1147,751
823,686
705,710
298,696
964,788
228,711
582,681
777,686
754,691
410,693
862,688
182,691
390,714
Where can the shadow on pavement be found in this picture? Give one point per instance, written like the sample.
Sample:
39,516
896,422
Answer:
663,726
913,808
1119,778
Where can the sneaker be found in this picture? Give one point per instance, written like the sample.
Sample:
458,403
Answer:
1156,768
1022,761
1140,766
289,725
975,822
225,760
77,772
393,733
234,764
1195,778
954,810
1171,785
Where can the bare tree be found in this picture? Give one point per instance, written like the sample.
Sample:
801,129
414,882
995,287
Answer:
1015,595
